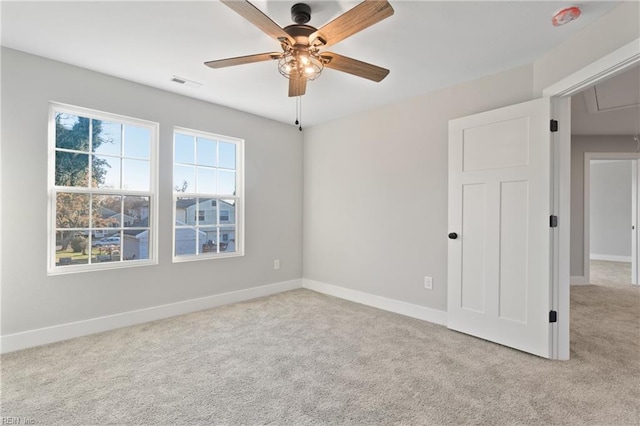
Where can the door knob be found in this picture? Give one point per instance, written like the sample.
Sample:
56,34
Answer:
453,236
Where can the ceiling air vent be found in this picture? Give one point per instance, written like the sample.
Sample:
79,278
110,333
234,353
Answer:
184,81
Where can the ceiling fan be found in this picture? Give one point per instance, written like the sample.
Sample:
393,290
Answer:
302,57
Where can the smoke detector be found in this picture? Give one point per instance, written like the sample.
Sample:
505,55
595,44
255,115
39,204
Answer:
565,15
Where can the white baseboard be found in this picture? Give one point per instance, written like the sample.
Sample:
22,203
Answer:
579,280
403,308
56,333
610,258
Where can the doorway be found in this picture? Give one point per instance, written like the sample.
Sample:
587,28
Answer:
611,218
605,121
561,92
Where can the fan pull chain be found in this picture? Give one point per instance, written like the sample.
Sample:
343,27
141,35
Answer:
299,112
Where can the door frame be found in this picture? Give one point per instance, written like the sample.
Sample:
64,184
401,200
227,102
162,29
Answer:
588,156
635,218
560,93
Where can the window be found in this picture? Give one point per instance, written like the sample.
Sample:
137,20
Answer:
102,186
208,195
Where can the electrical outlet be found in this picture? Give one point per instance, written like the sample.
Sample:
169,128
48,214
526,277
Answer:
428,283
276,264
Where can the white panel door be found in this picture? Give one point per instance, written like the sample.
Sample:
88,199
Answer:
499,206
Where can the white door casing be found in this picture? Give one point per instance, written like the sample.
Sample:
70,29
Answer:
634,221
500,201
560,92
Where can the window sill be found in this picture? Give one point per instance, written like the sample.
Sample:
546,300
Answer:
75,269
206,256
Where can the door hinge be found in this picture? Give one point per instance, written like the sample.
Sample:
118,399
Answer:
553,221
554,125
553,316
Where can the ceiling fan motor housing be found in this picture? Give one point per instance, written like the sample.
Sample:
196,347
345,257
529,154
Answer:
300,33
301,13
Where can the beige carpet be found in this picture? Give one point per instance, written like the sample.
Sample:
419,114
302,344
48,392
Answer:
604,272
304,358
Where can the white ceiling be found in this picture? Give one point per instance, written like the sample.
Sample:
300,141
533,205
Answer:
427,45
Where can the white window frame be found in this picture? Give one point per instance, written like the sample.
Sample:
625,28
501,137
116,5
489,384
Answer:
239,198
52,269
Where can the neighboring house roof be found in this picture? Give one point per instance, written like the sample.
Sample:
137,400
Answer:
144,223
185,203
125,217
135,232
105,212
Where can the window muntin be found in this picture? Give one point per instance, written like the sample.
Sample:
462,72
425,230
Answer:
208,196
102,190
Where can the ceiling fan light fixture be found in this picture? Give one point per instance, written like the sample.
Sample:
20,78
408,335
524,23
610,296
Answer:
301,60
296,64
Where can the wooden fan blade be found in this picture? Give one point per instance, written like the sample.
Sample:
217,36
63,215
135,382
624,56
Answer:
362,16
353,66
259,19
240,60
297,86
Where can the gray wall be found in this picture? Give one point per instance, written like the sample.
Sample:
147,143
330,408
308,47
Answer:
610,208
375,199
579,146
31,299
375,194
